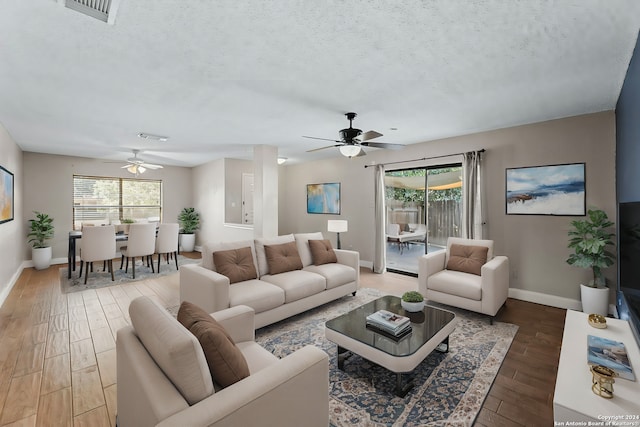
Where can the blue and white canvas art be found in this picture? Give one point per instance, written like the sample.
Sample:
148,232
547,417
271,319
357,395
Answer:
323,198
547,190
6,195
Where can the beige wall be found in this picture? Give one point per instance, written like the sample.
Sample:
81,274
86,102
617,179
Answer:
48,188
13,234
536,245
209,201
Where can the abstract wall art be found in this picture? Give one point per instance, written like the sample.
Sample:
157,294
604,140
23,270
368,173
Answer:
546,190
323,198
6,195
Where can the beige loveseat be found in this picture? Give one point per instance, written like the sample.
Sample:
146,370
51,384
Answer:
274,297
163,377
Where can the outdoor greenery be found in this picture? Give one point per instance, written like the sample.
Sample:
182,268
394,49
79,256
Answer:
127,221
97,198
41,230
412,296
411,195
189,220
589,239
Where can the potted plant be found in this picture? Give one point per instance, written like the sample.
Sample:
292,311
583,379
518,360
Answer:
125,223
189,221
590,239
41,231
412,301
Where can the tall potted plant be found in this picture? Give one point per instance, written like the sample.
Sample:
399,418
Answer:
41,231
189,221
590,239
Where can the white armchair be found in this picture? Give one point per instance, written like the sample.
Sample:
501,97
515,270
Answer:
164,380
485,293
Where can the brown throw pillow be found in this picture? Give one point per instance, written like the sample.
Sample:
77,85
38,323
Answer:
468,259
283,258
236,264
322,252
226,363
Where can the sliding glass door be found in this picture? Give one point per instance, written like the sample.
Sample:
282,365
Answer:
424,208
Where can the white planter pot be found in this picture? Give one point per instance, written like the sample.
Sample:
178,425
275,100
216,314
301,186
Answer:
187,242
41,257
412,307
594,300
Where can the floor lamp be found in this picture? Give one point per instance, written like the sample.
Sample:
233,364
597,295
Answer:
337,226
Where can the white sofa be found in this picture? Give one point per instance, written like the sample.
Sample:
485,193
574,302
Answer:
274,297
164,380
485,293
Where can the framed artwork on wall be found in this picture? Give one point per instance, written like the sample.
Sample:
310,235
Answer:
546,190
6,195
323,198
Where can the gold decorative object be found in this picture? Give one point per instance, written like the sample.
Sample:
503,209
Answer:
597,321
603,379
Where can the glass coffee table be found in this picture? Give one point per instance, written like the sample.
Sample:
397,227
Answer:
430,330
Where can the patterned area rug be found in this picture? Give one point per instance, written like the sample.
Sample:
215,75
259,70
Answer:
100,279
449,387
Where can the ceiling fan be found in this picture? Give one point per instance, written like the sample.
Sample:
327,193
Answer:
354,139
137,166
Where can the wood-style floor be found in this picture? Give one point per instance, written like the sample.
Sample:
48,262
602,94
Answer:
58,363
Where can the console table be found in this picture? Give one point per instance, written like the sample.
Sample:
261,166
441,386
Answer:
573,399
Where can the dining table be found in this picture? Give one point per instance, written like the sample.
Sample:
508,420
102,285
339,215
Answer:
74,235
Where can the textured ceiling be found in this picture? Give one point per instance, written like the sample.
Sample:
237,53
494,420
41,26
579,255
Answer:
218,77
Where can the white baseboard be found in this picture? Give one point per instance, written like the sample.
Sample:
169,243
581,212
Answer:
5,292
552,300
366,264
54,261
545,299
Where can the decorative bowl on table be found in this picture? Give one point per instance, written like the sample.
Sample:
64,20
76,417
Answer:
412,307
597,321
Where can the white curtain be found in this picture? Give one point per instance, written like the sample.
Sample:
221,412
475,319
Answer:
472,215
380,256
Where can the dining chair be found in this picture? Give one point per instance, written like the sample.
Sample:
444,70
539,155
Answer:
141,243
98,244
167,242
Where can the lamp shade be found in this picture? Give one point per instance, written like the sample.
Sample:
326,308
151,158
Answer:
350,150
337,225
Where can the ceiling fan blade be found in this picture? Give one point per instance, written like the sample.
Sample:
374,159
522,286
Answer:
386,145
323,148
321,139
370,134
151,166
125,166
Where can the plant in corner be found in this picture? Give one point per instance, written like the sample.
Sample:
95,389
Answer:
189,221
41,230
590,239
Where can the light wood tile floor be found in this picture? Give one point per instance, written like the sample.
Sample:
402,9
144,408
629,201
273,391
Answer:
58,363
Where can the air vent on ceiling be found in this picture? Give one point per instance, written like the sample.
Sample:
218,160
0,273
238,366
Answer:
103,10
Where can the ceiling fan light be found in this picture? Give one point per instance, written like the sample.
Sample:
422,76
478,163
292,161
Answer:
350,150
141,169
281,160
132,169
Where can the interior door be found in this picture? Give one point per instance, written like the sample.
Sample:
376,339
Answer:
247,198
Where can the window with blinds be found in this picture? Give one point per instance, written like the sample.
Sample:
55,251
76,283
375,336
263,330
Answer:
103,200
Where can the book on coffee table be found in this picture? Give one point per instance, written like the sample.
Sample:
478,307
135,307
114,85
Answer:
396,337
609,353
387,321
